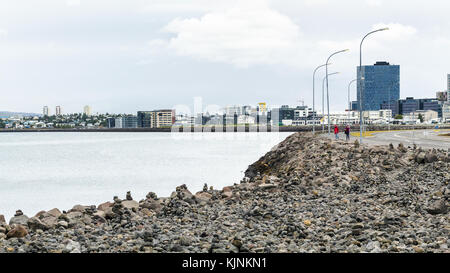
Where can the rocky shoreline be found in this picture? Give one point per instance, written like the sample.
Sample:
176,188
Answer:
308,194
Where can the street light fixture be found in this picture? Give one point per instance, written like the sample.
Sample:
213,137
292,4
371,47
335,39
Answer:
361,78
314,103
328,97
349,104
323,98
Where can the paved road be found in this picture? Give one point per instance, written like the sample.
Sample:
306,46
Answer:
423,138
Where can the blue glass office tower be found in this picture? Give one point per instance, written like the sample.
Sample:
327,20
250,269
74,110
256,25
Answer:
381,83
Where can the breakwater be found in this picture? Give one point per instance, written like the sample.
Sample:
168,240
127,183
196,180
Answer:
308,194
203,129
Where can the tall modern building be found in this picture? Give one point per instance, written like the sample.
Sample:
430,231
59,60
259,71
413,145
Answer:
448,83
380,83
87,110
45,111
448,87
58,110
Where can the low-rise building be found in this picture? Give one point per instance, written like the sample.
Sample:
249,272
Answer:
446,112
427,115
127,121
156,118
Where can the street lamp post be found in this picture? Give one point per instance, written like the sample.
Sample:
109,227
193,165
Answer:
349,104
326,75
323,98
314,103
361,78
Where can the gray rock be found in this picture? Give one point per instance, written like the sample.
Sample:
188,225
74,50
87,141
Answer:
72,247
21,219
438,207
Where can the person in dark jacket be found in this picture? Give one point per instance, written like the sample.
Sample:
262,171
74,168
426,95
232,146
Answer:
336,131
347,132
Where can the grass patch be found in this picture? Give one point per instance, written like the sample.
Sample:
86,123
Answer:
365,134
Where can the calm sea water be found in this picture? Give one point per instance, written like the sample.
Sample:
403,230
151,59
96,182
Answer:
40,171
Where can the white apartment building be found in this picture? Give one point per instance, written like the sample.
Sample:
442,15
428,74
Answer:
45,111
87,110
58,110
245,119
162,118
427,115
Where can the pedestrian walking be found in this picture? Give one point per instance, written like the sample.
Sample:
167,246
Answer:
336,132
347,132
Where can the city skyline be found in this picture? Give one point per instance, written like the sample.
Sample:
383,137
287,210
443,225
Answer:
142,59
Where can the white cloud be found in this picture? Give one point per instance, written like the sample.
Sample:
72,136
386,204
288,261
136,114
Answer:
242,35
73,2
255,34
3,33
374,3
396,31
177,6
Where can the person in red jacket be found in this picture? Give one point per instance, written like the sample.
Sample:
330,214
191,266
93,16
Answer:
336,131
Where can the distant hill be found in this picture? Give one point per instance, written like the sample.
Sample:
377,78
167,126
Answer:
6,114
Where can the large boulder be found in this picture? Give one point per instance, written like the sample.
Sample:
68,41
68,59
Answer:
104,206
420,157
55,212
49,221
74,218
227,192
203,196
431,157
154,205
73,215
19,220
130,204
2,219
35,223
79,208
17,231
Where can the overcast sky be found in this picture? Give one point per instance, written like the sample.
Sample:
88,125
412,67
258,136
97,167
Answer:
129,55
